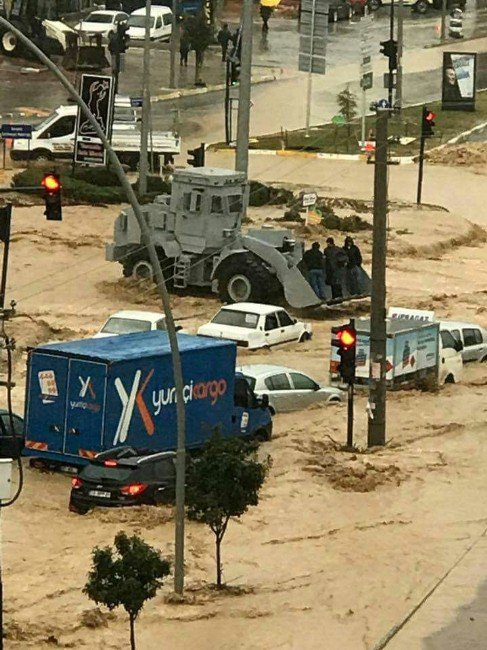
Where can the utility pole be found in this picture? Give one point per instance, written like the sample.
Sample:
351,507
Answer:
444,10
163,293
243,121
310,69
400,37
377,373
6,214
144,130
391,69
174,44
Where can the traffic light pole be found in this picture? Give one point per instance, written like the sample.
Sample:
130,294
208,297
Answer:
227,101
144,130
391,69
163,293
400,39
5,228
377,374
420,168
350,415
243,122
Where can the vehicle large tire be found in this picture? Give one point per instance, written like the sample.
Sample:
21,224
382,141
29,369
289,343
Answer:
421,6
141,268
10,44
374,4
245,278
41,155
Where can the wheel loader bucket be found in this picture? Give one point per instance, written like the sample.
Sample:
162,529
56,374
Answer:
297,290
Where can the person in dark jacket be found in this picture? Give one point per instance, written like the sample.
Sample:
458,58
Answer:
354,265
184,48
335,264
224,37
265,13
313,260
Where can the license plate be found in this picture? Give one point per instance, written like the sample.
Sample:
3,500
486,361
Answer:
99,494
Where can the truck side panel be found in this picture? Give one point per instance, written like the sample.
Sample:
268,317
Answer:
141,399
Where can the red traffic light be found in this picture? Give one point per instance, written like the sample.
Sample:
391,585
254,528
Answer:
430,116
347,337
51,183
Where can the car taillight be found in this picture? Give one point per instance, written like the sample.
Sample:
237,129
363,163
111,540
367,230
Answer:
76,483
133,490
110,463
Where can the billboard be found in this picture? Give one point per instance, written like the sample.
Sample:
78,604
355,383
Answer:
458,84
97,93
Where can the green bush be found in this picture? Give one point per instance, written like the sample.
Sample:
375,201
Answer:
259,194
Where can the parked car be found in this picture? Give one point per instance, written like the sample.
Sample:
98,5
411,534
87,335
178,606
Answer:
288,389
123,477
253,325
11,447
339,10
101,22
473,339
130,322
160,24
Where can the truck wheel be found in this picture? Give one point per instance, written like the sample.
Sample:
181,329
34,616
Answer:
41,155
143,270
10,43
245,278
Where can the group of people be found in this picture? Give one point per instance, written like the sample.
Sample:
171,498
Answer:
334,266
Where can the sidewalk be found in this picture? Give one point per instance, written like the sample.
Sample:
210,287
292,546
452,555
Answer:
455,615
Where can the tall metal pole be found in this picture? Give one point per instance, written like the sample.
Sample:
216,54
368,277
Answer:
391,70
243,121
377,374
444,10
144,129
7,215
422,142
161,286
310,68
227,101
174,45
400,38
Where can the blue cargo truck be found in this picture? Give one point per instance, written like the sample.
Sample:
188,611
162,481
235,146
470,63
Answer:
87,396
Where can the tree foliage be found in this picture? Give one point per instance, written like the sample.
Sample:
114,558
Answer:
223,482
347,104
126,576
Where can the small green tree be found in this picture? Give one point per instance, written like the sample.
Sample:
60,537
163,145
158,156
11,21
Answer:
347,107
200,35
223,482
128,575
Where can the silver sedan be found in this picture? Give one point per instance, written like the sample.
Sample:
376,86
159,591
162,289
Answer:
288,389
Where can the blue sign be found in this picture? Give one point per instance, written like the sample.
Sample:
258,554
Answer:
16,131
136,102
383,103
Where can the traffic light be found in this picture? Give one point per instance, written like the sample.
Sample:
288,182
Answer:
389,49
427,123
345,340
234,72
52,196
197,156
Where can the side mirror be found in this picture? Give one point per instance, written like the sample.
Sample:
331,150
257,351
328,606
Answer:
317,387
295,320
264,401
458,346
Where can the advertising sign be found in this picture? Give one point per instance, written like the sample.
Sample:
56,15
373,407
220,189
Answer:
97,93
458,86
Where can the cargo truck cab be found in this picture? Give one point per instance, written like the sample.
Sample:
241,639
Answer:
252,417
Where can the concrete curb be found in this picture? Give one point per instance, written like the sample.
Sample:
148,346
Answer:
189,92
289,153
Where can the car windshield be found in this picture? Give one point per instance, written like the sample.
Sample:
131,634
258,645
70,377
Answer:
99,18
139,21
100,472
236,318
45,122
250,381
116,325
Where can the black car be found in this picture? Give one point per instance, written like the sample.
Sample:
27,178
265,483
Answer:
124,477
11,446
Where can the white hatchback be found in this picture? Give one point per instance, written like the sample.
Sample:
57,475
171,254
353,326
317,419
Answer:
160,24
132,321
253,325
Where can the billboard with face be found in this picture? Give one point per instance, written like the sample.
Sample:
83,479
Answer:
458,87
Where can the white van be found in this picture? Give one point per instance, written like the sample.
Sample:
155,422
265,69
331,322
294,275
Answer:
473,339
450,366
160,24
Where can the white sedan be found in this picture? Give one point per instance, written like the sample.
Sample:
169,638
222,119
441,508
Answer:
288,389
253,325
129,322
101,22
